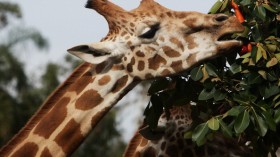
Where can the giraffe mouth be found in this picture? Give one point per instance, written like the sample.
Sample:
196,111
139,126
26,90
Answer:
230,37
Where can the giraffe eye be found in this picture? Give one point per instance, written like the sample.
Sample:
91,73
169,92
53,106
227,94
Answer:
151,32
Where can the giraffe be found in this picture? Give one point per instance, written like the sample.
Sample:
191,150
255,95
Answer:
168,140
146,43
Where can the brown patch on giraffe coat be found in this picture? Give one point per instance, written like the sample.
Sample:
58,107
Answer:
82,82
140,54
28,149
193,26
143,142
190,41
148,76
177,65
141,65
129,43
170,52
150,49
118,67
149,152
70,137
46,153
123,33
156,61
191,59
98,116
132,24
88,100
169,14
120,83
100,67
104,80
53,119
165,72
177,43
161,39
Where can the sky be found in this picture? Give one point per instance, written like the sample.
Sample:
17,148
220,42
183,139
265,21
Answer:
66,23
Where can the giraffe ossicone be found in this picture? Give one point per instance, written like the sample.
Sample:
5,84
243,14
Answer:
148,42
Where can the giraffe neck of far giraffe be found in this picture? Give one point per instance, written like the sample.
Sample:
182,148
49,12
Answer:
71,112
170,142
173,144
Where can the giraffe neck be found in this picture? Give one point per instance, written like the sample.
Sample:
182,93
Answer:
71,112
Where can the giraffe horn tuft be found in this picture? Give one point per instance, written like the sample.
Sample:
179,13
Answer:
104,7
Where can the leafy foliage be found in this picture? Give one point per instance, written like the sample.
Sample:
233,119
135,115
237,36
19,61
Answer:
239,94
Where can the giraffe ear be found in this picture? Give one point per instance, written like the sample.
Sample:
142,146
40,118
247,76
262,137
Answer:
93,53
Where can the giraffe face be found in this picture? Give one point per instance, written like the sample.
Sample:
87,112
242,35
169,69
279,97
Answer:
152,41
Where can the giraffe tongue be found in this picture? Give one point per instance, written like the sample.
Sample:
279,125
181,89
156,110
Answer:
225,37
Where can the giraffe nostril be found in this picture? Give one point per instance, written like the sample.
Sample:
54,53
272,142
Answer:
221,18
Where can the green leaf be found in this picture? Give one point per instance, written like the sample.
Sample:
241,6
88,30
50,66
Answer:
241,99
225,5
277,116
196,73
261,13
225,128
261,125
235,68
233,111
218,95
271,76
269,120
269,90
254,78
268,7
188,135
199,133
259,55
242,122
211,70
277,104
216,7
213,124
205,95
273,61
245,2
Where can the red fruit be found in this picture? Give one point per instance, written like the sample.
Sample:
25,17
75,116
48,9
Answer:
245,49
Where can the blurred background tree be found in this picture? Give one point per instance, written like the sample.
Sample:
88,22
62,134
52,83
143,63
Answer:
21,95
237,95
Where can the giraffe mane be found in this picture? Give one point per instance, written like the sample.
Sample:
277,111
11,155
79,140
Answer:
46,106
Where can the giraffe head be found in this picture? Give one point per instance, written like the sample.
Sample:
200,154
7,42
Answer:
153,41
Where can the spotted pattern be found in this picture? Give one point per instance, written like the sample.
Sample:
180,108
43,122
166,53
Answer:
104,80
72,129
81,83
53,119
120,83
46,153
28,149
172,53
156,61
88,100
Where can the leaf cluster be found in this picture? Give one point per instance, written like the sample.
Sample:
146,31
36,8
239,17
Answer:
239,94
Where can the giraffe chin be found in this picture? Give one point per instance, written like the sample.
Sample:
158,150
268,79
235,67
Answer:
227,45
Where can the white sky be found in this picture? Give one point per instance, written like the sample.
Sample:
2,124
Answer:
66,23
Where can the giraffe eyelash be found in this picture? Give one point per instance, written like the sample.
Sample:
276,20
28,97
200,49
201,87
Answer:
151,32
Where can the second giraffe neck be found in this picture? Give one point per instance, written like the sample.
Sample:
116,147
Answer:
71,112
